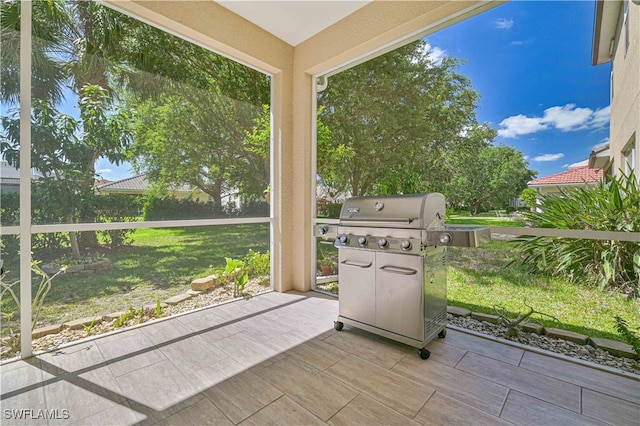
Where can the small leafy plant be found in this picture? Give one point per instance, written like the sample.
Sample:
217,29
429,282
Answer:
133,315
257,263
629,336
89,328
158,309
36,305
237,272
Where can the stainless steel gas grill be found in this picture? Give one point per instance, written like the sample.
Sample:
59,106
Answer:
392,272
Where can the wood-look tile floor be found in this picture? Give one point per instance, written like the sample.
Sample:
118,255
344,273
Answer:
275,359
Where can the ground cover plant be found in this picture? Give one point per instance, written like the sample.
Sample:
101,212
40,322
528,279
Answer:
159,264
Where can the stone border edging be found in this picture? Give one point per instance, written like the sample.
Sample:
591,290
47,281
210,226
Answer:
613,347
552,354
125,329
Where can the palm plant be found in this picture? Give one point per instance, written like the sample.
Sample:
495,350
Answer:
610,206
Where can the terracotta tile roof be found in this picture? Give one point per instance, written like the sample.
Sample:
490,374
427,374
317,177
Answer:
577,175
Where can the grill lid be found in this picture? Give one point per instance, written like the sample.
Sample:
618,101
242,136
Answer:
419,211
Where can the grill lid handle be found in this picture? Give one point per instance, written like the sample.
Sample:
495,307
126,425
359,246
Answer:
378,220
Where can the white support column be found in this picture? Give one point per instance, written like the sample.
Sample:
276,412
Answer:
301,166
283,188
25,179
276,182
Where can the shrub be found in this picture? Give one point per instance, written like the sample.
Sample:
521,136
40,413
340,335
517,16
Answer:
612,206
166,208
10,209
259,264
118,208
529,196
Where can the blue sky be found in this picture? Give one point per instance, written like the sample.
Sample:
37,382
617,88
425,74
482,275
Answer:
531,63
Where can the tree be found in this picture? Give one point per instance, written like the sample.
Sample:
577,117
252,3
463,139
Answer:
180,141
467,176
489,178
203,120
75,46
392,120
529,196
64,151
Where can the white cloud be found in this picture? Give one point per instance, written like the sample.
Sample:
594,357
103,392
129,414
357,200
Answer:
103,171
436,54
548,157
601,144
601,117
516,43
504,24
566,118
517,125
578,164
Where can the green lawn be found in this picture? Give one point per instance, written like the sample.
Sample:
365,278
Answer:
162,262
482,220
159,264
479,278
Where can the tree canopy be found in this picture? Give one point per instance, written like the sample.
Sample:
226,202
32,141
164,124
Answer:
406,123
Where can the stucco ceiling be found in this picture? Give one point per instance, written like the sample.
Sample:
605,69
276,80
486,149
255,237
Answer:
293,21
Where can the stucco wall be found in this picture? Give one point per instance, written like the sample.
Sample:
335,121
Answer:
625,102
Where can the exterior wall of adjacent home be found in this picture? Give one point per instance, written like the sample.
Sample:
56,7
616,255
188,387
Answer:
556,189
375,27
625,90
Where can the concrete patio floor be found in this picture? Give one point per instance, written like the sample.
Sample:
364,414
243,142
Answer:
276,359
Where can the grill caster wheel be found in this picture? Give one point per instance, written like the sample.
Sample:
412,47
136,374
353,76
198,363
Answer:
442,334
424,353
338,325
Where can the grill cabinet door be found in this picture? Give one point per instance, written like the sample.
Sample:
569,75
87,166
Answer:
399,301
357,285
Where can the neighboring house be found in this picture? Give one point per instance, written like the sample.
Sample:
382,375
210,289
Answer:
10,178
139,185
574,177
616,39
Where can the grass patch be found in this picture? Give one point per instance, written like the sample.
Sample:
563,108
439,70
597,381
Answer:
160,263
484,221
480,278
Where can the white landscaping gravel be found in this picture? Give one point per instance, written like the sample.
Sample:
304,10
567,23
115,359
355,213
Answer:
564,347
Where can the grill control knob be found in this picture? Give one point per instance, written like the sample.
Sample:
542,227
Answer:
405,245
323,230
343,238
362,241
445,238
382,243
